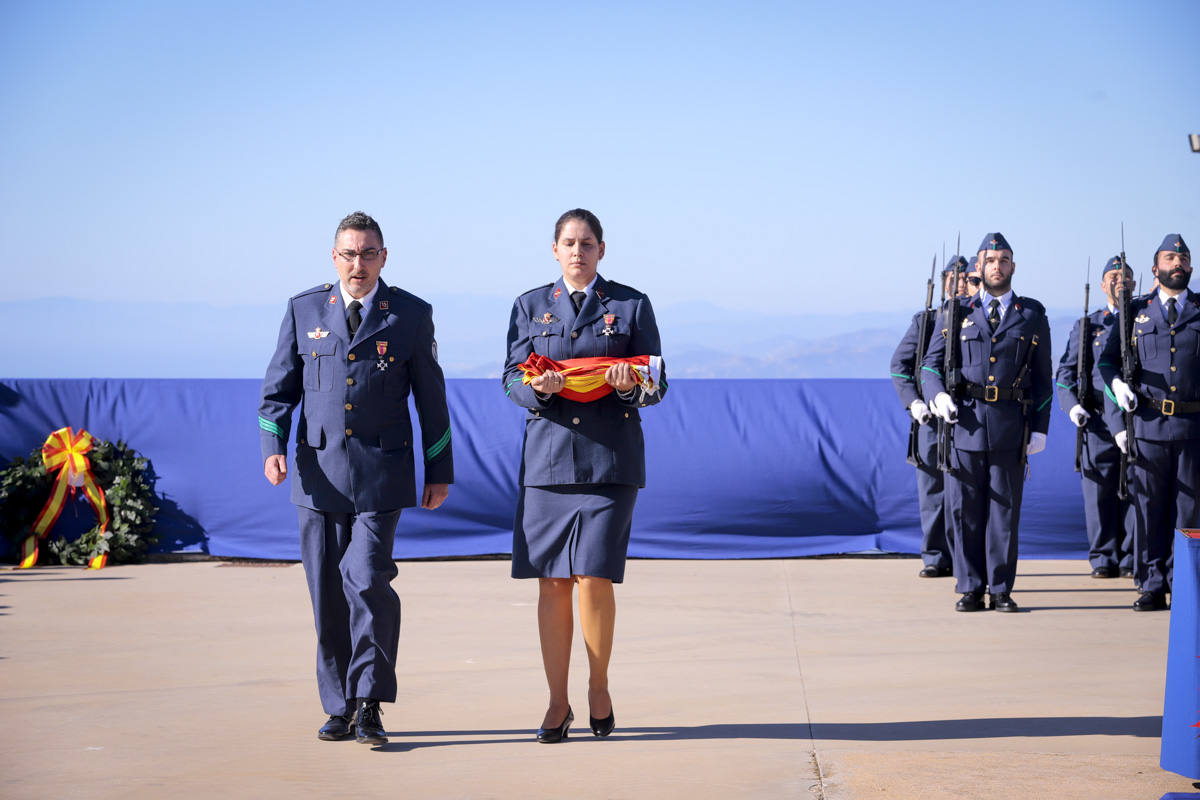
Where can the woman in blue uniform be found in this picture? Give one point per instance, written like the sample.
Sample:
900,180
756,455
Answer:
581,463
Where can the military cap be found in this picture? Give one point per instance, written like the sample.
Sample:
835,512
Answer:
1172,243
995,241
960,261
972,263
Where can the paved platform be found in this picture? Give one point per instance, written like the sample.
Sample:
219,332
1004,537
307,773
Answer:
811,678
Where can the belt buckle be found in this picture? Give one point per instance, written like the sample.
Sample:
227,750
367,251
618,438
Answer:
1168,408
991,393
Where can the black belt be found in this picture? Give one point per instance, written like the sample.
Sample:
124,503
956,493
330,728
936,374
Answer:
1169,408
991,394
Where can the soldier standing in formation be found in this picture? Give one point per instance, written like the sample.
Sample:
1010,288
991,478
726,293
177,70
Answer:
935,539
1163,394
997,412
1109,523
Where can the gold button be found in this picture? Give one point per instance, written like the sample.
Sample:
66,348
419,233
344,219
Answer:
575,334
626,415
993,340
349,406
328,285
391,358
545,333
1172,368
991,377
1172,388
643,405
1172,332
406,442
992,359
1172,349
964,338
301,441
351,356
349,381
574,420
537,413
349,431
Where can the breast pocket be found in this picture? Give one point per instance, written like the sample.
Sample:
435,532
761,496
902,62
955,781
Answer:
972,347
318,356
548,341
616,338
1147,342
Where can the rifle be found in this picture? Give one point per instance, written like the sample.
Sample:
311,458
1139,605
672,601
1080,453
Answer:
1083,369
914,448
1129,368
951,363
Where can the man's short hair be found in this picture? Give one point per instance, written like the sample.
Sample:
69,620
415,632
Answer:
358,221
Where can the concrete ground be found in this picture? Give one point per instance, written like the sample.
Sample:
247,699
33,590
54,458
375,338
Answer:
813,678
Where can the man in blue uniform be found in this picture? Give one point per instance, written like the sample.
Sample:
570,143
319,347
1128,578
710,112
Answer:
935,541
349,355
1164,394
1109,522
998,412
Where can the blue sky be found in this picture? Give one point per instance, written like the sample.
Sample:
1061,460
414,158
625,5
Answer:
760,157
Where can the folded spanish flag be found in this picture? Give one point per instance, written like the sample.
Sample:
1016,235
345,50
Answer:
583,378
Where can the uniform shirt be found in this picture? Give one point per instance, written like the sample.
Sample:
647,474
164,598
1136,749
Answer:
365,299
986,299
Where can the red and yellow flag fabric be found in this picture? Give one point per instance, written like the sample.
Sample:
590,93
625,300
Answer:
65,453
583,378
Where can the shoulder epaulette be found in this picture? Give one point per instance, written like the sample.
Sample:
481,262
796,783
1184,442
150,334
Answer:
319,289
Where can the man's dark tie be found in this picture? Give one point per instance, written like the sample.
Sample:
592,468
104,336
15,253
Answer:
354,316
994,314
1172,312
577,298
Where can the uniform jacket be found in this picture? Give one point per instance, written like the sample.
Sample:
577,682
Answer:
567,442
995,359
1168,368
1100,324
904,366
354,442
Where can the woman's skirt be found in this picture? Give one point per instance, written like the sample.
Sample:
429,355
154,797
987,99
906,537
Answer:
576,529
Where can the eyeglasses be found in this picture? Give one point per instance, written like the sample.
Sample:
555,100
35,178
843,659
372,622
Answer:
368,256
974,280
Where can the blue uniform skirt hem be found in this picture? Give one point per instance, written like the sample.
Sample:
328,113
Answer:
577,529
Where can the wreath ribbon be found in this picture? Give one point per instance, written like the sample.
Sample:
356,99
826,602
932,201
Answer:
64,453
583,378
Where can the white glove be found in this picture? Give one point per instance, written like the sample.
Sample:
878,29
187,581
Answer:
943,406
920,412
1078,415
1126,399
1037,442
1119,438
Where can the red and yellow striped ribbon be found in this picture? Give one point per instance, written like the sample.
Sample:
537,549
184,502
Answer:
64,452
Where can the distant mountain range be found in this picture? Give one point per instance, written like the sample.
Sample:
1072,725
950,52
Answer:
204,340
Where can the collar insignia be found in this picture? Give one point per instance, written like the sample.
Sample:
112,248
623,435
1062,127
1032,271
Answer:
383,305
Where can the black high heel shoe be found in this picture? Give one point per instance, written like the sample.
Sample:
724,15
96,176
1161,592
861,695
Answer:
603,727
552,735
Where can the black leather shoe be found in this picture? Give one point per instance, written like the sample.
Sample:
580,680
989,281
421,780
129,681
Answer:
339,726
1104,572
971,601
369,726
929,571
1150,601
1002,602
1126,572
603,727
552,735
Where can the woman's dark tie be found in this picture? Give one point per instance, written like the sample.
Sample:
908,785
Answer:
577,298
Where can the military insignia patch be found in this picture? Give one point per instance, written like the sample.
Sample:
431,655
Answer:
557,293
600,293
383,305
381,348
333,300
318,334
546,318
968,323
609,319
1142,318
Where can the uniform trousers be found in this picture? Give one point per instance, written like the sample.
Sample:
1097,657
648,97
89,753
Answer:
348,563
1165,476
935,539
1109,519
983,493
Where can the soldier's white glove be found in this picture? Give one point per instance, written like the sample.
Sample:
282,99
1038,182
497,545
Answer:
1126,399
1037,443
1078,415
1119,438
920,412
943,406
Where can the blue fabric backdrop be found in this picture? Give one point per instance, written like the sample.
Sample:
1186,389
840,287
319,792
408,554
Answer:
736,469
